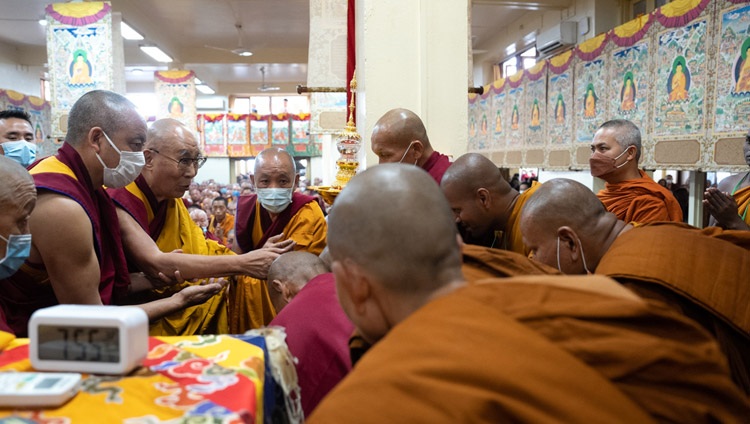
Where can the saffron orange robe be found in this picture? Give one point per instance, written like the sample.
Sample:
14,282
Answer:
169,224
641,200
513,240
226,226
704,278
539,349
302,221
481,262
742,197
29,288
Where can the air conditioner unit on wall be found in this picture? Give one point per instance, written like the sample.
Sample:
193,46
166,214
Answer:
561,35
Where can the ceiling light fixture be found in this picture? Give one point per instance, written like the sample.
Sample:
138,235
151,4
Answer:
156,53
128,32
43,22
203,88
197,81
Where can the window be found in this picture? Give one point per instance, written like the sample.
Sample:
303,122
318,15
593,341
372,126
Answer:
524,60
635,8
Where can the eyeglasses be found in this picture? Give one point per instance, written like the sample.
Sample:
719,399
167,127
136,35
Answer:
185,162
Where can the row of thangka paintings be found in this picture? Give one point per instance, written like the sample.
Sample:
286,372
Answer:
247,135
681,73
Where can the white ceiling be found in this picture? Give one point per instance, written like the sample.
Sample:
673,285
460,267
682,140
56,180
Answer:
276,31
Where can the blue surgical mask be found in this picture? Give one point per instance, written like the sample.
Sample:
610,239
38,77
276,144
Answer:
19,248
20,151
236,193
275,200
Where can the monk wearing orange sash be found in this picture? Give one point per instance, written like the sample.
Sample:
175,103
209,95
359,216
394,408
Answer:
77,255
486,207
526,349
729,202
222,223
700,274
630,194
276,213
153,215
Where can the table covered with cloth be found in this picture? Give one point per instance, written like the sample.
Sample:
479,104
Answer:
213,379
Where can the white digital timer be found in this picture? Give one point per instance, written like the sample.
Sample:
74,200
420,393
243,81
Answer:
88,338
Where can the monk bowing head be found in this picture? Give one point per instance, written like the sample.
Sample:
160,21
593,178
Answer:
394,246
400,136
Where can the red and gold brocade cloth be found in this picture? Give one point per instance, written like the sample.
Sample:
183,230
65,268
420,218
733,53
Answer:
220,378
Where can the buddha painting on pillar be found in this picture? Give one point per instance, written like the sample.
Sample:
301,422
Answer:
678,83
535,123
589,102
627,93
80,69
498,122
175,108
742,69
514,118
560,110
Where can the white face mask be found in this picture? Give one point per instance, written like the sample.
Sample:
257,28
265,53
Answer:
126,171
583,258
275,200
405,152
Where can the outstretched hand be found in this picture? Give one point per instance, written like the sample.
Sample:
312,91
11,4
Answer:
274,244
199,293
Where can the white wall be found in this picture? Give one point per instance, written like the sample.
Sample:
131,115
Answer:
17,77
216,169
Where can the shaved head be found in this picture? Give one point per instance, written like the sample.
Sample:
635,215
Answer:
275,155
565,225
167,131
400,135
393,221
100,108
289,273
479,196
17,200
472,171
562,202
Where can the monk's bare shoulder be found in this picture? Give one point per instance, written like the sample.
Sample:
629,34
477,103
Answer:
59,224
728,183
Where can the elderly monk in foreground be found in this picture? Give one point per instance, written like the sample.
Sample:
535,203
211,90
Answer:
630,194
523,349
702,277
317,330
17,201
153,217
275,213
729,202
77,255
400,136
486,207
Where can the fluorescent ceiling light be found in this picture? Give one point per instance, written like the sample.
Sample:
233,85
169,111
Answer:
203,88
156,54
128,32
198,81
43,22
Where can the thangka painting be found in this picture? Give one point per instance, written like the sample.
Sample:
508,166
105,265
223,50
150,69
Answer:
680,81
483,114
590,103
175,94
560,100
39,112
499,122
629,84
473,130
237,135
536,101
301,128
213,135
280,129
732,112
516,109
259,137
79,51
